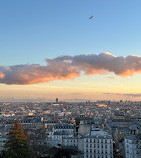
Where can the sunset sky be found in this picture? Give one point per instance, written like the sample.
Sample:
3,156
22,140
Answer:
50,48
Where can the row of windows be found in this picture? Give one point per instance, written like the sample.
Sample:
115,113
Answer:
71,140
96,151
70,145
101,146
98,156
60,127
135,152
132,141
135,146
57,136
98,140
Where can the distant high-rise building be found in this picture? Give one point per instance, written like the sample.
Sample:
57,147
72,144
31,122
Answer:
109,102
56,100
121,101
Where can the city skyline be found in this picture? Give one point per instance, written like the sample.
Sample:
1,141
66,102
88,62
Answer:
53,50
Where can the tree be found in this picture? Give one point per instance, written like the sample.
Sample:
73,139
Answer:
63,153
17,145
38,142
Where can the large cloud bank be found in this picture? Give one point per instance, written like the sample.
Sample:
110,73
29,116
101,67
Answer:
70,67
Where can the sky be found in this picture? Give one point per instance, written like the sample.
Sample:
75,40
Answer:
51,48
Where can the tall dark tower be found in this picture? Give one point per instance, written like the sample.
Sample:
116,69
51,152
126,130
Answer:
56,100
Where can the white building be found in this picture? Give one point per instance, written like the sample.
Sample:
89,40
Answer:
56,137
74,142
70,141
69,128
98,131
132,146
98,146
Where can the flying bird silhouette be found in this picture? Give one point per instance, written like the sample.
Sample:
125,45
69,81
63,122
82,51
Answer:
91,17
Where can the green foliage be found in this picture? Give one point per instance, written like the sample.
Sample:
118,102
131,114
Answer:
17,145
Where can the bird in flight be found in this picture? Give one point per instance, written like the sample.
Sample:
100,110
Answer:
91,17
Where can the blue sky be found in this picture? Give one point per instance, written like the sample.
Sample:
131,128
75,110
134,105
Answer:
32,30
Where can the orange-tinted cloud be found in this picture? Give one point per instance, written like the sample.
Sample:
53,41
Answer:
70,67
30,74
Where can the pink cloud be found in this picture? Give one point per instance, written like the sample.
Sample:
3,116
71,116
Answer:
70,67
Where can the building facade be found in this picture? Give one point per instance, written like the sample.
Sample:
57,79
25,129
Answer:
98,146
132,146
